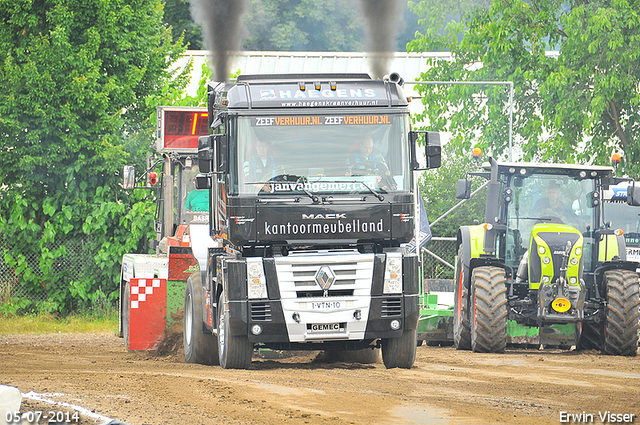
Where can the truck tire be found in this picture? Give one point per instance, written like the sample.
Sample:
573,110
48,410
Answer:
461,326
199,346
235,351
489,305
621,323
400,352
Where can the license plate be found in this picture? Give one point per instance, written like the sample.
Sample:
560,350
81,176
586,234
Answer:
325,305
324,327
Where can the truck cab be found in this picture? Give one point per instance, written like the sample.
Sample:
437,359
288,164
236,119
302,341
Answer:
313,202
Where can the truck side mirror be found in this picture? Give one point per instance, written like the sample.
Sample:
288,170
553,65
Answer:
463,190
633,195
222,153
433,150
205,154
128,177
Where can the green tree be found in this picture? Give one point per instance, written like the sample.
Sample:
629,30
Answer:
334,25
576,106
438,188
330,25
178,16
74,79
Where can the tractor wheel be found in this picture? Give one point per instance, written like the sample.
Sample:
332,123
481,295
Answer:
621,323
589,336
199,345
400,352
461,327
489,307
235,350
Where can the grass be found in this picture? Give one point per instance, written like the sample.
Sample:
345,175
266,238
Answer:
47,323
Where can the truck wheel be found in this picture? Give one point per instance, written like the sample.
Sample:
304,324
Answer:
461,327
235,351
621,322
489,304
400,352
199,346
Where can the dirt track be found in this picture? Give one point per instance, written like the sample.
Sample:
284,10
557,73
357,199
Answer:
444,387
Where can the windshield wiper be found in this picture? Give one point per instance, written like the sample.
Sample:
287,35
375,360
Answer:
376,194
290,178
313,197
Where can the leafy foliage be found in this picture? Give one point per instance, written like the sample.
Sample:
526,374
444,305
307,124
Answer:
576,106
74,77
178,16
438,188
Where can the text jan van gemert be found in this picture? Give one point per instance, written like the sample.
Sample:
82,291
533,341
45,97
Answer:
603,417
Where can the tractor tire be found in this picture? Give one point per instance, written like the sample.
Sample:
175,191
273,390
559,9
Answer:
235,351
621,323
489,308
199,346
400,352
461,325
589,336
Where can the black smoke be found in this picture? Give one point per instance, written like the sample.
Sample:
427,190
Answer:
383,20
221,22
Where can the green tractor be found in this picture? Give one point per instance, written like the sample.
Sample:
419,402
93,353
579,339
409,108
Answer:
544,259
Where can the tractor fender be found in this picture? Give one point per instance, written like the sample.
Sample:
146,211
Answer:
613,265
610,246
471,239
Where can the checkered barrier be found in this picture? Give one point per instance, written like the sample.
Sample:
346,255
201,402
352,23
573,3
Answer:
140,288
147,312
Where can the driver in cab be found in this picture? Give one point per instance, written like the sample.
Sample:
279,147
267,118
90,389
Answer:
260,165
552,205
365,161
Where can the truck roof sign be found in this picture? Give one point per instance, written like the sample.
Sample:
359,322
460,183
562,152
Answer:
317,95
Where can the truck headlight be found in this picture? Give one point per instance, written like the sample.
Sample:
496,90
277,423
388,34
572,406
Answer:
256,281
393,274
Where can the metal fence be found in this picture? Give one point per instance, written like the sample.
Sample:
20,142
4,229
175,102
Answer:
438,258
77,262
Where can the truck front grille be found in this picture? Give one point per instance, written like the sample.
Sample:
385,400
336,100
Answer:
352,273
335,293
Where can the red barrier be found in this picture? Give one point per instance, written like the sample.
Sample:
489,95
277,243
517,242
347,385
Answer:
147,313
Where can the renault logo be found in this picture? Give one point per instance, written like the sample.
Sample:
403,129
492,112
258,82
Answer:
325,277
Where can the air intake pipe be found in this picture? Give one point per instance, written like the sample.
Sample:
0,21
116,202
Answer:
394,77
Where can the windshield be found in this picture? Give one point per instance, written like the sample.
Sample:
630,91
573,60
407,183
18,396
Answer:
321,154
546,199
191,203
625,217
